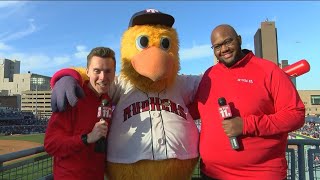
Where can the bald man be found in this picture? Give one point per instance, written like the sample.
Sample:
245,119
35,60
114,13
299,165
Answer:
265,106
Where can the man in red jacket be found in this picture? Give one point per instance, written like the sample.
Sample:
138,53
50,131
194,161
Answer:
71,135
265,106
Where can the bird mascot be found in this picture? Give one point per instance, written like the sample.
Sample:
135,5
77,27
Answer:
152,134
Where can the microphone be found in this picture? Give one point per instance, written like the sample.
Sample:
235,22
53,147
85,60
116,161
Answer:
225,113
297,68
104,114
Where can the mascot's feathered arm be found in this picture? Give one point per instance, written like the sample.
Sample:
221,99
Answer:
66,87
66,84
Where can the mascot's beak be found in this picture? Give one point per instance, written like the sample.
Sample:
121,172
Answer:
153,63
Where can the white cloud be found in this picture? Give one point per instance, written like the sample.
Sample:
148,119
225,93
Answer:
81,52
39,63
61,60
43,64
9,8
81,48
196,52
4,47
20,34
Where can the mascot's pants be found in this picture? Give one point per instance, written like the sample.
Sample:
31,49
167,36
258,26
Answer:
169,169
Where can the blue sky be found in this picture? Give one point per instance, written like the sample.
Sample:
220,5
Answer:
47,36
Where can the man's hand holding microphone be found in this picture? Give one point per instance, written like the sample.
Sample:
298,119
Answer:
100,130
232,126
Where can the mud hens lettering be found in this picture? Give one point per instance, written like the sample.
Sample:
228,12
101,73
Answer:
153,104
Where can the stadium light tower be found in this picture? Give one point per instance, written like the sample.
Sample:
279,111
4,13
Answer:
37,81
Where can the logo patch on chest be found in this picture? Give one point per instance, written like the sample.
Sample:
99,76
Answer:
245,80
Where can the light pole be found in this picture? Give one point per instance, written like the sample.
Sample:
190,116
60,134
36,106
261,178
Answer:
36,111
37,81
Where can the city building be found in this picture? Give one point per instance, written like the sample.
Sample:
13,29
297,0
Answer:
9,101
265,42
12,83
266,45
37,102
311,100
15,83
284,63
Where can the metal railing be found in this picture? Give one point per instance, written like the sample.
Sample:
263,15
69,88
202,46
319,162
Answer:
303,158
38,166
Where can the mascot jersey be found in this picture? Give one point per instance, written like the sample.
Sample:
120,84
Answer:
153,126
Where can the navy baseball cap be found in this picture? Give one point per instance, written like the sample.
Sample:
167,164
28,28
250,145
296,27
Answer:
151,16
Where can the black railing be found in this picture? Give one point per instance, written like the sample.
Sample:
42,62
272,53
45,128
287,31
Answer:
307,165
39,166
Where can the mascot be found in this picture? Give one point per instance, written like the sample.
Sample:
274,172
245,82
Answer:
152,135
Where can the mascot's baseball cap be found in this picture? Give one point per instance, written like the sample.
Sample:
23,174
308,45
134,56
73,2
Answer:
151,16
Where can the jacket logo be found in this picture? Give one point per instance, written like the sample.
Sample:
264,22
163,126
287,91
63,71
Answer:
153,104
245,80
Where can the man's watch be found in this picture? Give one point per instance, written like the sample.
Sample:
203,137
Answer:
84,138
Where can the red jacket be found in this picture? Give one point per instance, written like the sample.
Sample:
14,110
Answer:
267,101
73,160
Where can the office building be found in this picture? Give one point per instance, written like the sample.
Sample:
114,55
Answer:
35,88
311,100
265,42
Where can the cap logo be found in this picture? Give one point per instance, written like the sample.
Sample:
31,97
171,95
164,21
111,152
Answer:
152,11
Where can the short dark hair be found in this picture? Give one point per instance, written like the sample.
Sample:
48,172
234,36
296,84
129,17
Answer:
103,52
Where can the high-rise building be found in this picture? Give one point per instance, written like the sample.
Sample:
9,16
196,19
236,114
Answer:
265,42
8,68
34,88
14,83
283,64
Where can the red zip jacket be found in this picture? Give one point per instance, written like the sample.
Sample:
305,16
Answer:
73,160
264,97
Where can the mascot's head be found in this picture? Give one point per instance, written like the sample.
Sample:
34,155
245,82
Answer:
149,51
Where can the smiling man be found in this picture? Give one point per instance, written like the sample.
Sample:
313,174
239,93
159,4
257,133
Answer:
265,106
71,135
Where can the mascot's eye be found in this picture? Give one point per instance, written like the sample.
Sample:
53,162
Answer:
165,43
142,42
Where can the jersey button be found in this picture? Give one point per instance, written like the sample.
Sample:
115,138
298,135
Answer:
156,114
161,141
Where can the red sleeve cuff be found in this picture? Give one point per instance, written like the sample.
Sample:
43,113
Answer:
65,72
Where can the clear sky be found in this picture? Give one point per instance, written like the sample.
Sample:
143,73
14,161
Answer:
47,36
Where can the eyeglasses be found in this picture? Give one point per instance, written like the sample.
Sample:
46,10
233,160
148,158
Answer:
227,43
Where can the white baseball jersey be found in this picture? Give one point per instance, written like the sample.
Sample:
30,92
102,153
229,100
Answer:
153,126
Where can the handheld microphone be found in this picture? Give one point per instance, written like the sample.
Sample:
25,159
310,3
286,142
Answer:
225,113
104,114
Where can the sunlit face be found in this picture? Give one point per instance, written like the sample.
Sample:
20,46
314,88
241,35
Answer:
226,46
101,73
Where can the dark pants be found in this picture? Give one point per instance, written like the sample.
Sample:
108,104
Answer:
205,177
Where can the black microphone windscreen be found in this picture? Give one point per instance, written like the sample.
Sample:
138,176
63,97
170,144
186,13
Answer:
222,101
104,102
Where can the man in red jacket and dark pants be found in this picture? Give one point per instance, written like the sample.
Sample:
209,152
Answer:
265,107
71,135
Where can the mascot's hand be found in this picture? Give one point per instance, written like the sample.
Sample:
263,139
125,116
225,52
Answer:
66,89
